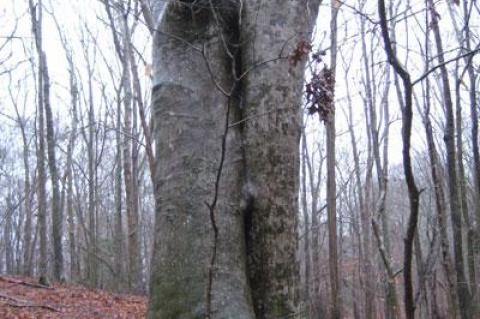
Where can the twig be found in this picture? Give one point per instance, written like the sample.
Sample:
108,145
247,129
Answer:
27,305
468,54
20,303
25,283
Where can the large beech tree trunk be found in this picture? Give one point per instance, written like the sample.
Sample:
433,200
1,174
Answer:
227,128
272,95
190,113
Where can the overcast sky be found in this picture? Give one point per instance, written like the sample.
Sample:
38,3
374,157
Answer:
74,15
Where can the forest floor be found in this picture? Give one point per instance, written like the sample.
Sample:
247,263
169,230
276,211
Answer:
23,298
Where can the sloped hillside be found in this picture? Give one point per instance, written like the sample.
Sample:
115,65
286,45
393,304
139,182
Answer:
23,298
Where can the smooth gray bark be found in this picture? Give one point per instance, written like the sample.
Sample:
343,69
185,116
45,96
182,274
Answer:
216,201
272,97
190,113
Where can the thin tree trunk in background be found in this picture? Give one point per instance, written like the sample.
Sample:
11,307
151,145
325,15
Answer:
440,206
36,13
57,214
315,228
392,307
18,226
141,112
132,214
69,176
306,224
413,193
7,229
366,218
82,230
438,186
462,185
422,301
331,176
92,238
130,159
366,201
365,234
27,229
119,239
359,202
381,166
70,218
332,220
464,40
472,75
41,191
27,239
472,93
123,144
136,223
463,293
74,271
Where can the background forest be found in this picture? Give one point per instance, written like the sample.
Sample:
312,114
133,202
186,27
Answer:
78,147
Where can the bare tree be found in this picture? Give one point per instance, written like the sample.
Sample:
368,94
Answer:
331,176
413,192
36,16
57,214
463,293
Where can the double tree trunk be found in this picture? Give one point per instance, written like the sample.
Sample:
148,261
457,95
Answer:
227,137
